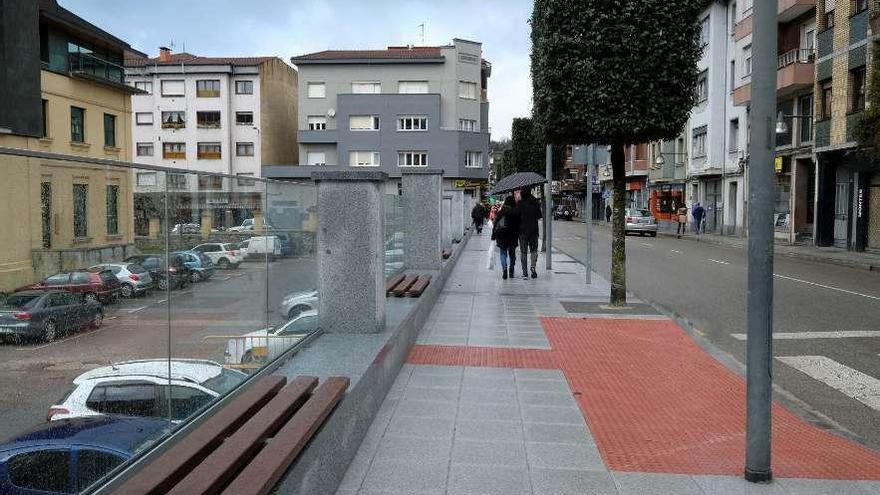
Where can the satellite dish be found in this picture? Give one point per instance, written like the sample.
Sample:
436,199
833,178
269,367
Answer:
331,113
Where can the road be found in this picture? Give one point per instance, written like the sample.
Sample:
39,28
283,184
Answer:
826,334
35,376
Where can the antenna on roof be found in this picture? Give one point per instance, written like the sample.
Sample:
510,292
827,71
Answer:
171,45
422,25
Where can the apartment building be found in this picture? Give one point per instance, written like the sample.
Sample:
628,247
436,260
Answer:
229,115
396,108
64,92
667,176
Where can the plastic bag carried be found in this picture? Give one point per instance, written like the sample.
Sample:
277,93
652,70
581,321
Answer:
490,256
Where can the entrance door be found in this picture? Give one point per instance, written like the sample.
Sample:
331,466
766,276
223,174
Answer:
712,205
731,200
841,207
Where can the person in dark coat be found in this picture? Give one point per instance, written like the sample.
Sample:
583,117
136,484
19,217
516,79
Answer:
698,213
478,215
505,233
608,213
529,212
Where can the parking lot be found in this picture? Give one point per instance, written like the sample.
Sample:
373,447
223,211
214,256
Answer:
35,374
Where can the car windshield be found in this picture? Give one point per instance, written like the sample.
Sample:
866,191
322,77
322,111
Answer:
135,268
21,300
639,213
224,382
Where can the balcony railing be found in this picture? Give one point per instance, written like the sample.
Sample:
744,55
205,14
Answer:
796,56
84,63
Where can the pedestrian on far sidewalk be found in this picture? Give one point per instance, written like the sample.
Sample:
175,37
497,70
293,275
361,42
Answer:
682,221
505,233
608,213
478,215
698,213
529,212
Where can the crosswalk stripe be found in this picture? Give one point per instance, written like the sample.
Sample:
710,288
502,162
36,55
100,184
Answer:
844,334
850,382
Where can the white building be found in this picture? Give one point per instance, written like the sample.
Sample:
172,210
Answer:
739,72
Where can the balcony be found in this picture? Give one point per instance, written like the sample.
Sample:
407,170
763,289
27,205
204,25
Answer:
306,136
789,10
795,72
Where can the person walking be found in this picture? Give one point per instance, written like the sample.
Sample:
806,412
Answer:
529,212
505,233
478,215
698,213
682,221
608,213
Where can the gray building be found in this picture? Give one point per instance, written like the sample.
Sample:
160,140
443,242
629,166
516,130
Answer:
392,109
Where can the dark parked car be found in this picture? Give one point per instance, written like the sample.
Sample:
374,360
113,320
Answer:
68,456
201,266
178,272
47,314
564,212
100,285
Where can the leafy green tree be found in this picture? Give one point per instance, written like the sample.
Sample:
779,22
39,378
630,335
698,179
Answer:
614,72
528,149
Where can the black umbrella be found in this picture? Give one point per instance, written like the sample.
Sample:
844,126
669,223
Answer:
519,180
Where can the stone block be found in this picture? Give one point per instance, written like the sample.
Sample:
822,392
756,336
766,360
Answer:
422,213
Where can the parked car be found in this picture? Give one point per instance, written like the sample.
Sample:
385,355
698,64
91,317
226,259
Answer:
178,273
296,303
286,244
64,457
102,286
264,246
186,228
248,225
135,279
563,212
224,255
141,388
199,264
641,222
269,343
47,314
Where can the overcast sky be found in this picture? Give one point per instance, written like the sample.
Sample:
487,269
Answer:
294,27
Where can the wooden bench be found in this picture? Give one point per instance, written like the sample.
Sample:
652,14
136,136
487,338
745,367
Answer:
419,286
393,282
247,445
404,285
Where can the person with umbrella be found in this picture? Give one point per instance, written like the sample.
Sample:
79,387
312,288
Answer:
505,233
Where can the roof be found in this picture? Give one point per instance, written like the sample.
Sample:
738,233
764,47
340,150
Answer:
181,369
392,53
120,433
49,9
190,59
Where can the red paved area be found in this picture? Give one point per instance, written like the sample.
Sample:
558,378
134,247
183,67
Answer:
656,402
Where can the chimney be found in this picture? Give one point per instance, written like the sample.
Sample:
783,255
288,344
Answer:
164,54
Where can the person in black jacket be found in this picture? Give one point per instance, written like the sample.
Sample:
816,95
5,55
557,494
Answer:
505,233
529,212
478,215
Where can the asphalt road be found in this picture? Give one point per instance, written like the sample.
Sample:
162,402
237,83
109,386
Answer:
35,376
706,284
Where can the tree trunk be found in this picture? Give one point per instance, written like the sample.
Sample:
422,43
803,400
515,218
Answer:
618,229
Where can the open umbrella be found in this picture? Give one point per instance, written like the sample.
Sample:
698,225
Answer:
516,181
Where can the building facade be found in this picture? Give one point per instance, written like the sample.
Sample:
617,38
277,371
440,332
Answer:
65,93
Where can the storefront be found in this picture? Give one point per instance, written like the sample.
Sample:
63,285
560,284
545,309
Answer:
636,192
664,200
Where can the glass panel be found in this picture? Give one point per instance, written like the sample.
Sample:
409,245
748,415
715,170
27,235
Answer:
394,234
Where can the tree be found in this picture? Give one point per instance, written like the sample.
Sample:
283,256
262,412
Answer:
528,152
614,72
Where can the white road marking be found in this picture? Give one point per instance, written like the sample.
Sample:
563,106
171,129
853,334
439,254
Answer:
647,244
850,382
827,287
135,310
160,301
676,251
844,334
719,262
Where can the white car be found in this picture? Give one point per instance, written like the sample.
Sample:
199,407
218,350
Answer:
268,343
248,226
141,388
263,246
296,303
224,255
135,279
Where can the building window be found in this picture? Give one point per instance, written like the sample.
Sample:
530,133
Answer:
244,87
829,19
173,120
316,90
208,120
467,125
244,118
244,149
143,118
210,182
208,151
80,210
699,142
703,86
146,179
363,122
859,6
827,92
747,60
473,159
412,87
44,118
317,123
805,104
732,17
316,158
857,89
412,123
176,181
112,210
732,75
144,149
145,86
366,88
733,138
244,180
412,158
363,158
46,213
208,88
704,31
174,151
77,124
109,130
467,90
173,88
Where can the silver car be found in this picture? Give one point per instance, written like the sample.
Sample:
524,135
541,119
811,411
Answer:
134,278
296,303
641,222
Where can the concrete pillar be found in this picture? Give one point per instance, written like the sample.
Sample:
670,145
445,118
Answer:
207,222
457,215
422,213
446,220
258,221
351,251
155,227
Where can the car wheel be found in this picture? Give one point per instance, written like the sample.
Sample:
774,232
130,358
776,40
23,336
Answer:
163,284
296,311
223,264
91,297
195,277
97,320
50,330
127,290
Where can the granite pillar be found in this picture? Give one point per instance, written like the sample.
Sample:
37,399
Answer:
351,251
422,213
457,215
207,223
446,220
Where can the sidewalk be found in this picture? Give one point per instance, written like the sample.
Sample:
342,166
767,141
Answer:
536,387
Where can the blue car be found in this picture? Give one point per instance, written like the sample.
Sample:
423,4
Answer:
202,267
68,456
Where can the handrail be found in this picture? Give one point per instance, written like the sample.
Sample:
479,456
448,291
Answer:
96,66
797,55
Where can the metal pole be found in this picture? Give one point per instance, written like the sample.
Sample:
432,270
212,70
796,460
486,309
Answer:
580,158
548,207
759,350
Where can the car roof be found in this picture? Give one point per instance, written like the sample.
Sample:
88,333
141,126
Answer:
120,433
192,370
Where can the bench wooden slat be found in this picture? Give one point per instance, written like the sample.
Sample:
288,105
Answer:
167,469
264,471
419,287
221,466
404,286
392,282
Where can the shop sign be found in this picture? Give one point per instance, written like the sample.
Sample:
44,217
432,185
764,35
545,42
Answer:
778,164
